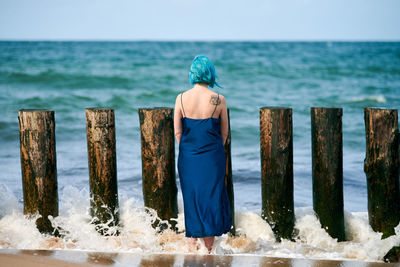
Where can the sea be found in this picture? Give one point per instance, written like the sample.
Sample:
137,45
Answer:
70,76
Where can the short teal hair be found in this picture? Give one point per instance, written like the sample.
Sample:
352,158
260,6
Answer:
203,71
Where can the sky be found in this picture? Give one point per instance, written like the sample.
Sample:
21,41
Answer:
208,20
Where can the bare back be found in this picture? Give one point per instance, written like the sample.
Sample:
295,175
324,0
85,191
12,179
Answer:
200,104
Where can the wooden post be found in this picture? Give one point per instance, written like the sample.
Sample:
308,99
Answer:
276,140
327,169
158,163
228,176
38,165
100,130
381,167
393,255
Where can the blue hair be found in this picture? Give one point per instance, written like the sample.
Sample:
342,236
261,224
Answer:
203,71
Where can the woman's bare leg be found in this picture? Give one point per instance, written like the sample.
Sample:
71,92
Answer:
208,242
192,243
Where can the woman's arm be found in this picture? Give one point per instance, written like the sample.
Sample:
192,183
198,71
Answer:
177,119
224,120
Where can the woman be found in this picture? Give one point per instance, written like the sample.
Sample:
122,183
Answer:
201,129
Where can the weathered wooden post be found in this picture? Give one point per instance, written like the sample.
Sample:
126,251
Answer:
100,130
381,167
38,165
327,169
158,163
276,140
228,176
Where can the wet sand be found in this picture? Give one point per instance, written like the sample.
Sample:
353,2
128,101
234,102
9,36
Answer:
61,258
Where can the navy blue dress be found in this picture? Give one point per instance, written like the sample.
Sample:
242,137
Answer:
201,167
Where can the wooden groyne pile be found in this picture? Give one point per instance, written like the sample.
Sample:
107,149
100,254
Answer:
39,172
102,159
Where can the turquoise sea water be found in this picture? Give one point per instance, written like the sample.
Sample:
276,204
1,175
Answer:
68,77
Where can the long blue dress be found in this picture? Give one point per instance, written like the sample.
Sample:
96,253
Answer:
201,167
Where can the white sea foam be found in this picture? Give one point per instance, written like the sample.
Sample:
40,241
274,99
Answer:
255,236
369,98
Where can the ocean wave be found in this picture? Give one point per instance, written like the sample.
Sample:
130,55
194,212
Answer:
4,125
60,103
52,78
368,99
255,236
382,69
8,130
329,71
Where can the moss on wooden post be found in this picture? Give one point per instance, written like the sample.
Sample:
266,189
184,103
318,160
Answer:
381,167
276,140
158,163
38,165
327,169
228,176
100,129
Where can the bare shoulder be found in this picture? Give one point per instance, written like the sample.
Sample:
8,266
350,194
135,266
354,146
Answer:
217,99
222,98
179,96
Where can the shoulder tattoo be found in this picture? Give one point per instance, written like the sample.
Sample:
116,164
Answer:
214,100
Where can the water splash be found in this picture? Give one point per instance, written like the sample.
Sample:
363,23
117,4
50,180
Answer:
255,236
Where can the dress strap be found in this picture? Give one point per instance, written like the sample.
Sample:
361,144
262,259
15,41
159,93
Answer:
216,104
184,115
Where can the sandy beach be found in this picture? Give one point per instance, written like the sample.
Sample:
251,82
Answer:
60,258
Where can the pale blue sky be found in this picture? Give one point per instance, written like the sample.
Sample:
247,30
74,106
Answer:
200,20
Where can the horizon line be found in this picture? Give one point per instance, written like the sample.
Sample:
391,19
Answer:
192,40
